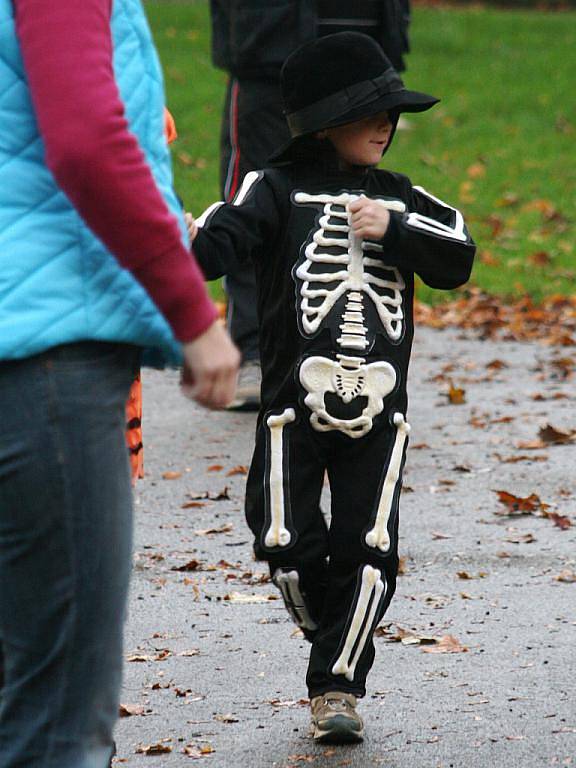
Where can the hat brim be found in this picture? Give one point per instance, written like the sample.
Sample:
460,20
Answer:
398,102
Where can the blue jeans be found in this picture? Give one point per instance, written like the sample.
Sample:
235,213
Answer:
65,553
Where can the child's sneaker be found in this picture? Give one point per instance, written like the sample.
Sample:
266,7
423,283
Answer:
335,720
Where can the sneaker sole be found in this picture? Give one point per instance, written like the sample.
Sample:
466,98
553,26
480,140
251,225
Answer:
341,731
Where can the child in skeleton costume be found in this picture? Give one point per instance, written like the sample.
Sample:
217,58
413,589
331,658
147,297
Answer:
336,244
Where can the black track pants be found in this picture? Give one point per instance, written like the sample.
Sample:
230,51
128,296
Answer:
337,581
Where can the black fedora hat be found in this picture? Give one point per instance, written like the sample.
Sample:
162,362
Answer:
338,79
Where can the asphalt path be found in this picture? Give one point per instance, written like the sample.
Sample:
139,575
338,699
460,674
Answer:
214,669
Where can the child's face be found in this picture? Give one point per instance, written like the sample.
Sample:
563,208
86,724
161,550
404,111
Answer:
362,142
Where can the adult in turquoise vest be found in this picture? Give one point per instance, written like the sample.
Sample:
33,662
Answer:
94,268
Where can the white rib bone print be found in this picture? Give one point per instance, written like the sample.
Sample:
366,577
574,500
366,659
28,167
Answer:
355,272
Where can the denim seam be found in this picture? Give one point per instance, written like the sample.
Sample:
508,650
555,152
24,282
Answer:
52,391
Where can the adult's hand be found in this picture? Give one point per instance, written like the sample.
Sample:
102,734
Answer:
210,368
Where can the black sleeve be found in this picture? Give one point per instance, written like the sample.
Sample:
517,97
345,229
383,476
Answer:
232,234
431,239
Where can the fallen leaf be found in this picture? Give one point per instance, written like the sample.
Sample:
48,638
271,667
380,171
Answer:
191,565
476,170
226,718
456,395
567,576
215,468
553,436
289,702
521,457
241,597
561,521
518,505
496,365
171,475
160,748
209,531
239,470
439,535
446,644
195,751
129,710
465,576
523,538
539,259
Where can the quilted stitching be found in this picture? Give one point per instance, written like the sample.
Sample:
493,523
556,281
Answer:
42,237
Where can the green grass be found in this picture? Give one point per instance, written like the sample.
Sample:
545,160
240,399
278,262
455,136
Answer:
500,145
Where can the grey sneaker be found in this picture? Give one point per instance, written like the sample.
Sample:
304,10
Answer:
335,720
248,389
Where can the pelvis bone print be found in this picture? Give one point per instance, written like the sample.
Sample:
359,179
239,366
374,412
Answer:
336,263
349,377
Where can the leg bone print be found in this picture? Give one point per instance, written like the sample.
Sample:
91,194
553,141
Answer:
349,378
278,535
288,582
372,589
359,274
378,536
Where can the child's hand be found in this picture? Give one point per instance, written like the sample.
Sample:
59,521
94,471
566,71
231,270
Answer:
369,219
191,226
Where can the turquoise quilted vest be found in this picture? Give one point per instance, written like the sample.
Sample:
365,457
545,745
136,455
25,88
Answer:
58,283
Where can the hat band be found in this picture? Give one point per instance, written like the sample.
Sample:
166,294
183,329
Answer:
315,116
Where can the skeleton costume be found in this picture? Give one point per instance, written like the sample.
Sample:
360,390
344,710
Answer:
336,331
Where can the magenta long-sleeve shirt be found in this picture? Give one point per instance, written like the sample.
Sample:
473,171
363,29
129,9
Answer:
96,160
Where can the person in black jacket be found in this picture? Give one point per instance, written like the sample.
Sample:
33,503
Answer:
250,41
335,243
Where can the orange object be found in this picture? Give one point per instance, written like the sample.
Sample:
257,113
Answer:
169,127
134,404
134,429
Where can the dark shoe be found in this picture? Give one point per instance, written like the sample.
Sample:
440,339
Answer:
248,390
335,720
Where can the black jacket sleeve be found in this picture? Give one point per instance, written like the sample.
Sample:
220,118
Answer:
232,234
431,239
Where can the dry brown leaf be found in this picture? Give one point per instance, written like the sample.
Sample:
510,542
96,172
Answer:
496,365
191,565
553,436
160,748
466,576
229,718
521,457
521,538
171,475
215,468
239,470
476,170
198,751
193,505
560,521
446,644
129,710
456,395
567,576
209,531
518,505
539,259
